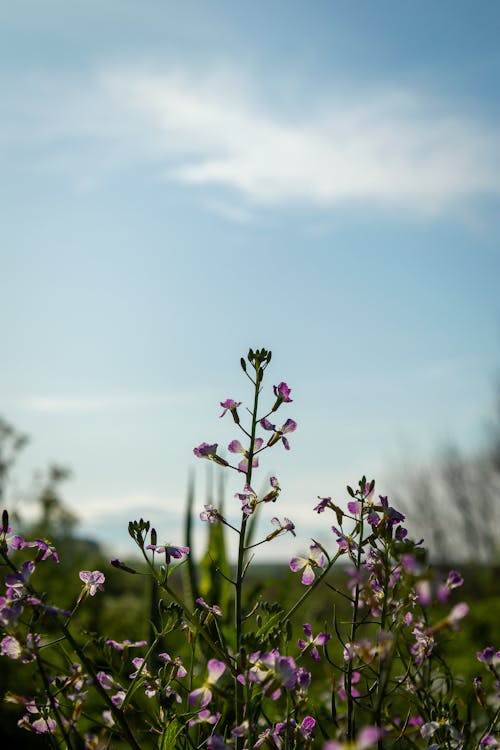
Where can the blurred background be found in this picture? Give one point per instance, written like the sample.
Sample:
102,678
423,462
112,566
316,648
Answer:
183,181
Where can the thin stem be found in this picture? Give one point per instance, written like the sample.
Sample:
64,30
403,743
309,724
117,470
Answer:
52,701
354,626
240,571
307,593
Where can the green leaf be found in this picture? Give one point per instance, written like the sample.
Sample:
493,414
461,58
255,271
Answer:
270,625
169,735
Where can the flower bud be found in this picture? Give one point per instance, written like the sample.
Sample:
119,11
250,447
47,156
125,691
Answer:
121,566
5,521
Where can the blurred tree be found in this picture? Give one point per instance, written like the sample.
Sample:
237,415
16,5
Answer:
455,502
11,443
54,516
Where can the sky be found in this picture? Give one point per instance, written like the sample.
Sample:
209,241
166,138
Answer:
182,181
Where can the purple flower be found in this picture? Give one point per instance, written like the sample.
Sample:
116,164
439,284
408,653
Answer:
273,493
215,609
342,693
307,727
122,645
118,698
487,656
216,742
205,450
10,647
248,500
43,725
458,612
453,581
106,681
303,679
17,580
122,566
287,525
273,671
176,663
282,393
366,738
312,642
210,514
354,507
10,611
203,695
423,646
488,742
391,515
139,663
169,551
316,559
324,503
45,550
93,580
279,433
236,447
205,717
16,542
232,406
345,541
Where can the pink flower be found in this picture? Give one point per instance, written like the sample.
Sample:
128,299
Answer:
10,647
93,580
207,450
282,393
279,433
248,500
210,514
169,550
287,525
365,738
316,559
342,693
458,612
230,405
312,642
203,695
215,609
236,447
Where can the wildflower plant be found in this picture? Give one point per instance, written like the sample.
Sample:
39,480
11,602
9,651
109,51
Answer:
225,669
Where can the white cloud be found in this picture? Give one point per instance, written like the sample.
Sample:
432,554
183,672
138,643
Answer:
82,404
387,148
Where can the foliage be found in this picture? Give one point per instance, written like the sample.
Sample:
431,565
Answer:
227,663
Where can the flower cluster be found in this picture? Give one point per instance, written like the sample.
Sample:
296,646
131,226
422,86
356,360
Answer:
224,668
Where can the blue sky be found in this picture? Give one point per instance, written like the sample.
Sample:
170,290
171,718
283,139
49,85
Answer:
181,181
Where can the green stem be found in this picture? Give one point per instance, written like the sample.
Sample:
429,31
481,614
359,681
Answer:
354,627
307,593
383,668
52,702
240,570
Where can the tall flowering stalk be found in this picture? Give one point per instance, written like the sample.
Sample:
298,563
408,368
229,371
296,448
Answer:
257,363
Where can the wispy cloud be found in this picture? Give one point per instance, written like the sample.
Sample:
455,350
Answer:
392,149
84,404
